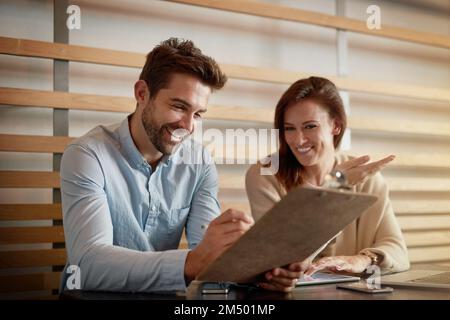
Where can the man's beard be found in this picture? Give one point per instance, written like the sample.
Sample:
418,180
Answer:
156,135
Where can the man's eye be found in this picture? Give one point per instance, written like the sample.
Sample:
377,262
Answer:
179,107
197,116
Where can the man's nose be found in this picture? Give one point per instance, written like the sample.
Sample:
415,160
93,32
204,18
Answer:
187,123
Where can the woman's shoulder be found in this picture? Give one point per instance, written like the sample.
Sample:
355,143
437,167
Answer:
259,172
262,175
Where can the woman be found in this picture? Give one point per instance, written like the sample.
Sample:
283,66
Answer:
311,121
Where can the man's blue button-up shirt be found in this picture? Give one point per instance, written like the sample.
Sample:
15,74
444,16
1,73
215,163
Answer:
123,221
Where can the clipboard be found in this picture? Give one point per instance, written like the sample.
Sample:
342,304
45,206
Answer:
291,231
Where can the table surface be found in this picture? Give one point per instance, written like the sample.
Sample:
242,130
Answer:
315,292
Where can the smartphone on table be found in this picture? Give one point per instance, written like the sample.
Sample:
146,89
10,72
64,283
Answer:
364,287
215,288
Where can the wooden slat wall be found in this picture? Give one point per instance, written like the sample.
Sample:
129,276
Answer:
426,227
43,49
274,11
27,143
32,258
30,282
21,235
91,102
50,211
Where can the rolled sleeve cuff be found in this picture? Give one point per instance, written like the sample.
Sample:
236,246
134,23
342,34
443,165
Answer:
173,269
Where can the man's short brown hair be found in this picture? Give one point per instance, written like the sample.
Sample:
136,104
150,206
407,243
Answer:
179,56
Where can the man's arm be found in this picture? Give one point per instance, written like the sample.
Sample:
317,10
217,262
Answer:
89,235
204,206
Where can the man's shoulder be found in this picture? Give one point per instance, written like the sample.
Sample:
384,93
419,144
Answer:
192,152
98,138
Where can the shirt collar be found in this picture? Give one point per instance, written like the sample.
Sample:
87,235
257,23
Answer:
130,150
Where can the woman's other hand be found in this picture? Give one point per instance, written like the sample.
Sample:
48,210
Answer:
358,169
351,264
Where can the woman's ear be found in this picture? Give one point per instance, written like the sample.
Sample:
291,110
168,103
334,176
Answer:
336,127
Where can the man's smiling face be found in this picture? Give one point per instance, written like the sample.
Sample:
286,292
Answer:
169,117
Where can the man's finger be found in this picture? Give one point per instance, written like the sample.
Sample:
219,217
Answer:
275,287
300,266
232,226
284,282
284,273
231,237
232,214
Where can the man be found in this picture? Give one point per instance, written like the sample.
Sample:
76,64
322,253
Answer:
127,195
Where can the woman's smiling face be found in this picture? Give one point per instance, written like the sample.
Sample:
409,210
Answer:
309,132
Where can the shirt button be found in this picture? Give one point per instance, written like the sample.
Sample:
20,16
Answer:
153,208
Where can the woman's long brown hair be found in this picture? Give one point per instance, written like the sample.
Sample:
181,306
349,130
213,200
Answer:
323,92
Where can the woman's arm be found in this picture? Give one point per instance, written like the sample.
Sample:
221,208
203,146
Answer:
263,191
378,234
388,239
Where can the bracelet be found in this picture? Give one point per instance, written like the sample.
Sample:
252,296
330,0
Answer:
372,256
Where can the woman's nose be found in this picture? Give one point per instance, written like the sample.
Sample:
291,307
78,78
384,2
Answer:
301,138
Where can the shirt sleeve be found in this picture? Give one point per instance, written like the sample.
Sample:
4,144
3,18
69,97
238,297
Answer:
205,206
388,239
88,233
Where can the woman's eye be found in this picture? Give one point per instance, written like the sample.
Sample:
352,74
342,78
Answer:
289,128
310,126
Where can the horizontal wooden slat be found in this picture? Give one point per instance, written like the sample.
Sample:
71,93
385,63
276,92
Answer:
239,113
30,143
436,160
91,102
427,222
419,184
78,101
32,258
30,282
419,207
401,160
431,254
65,100
38,211
385,125
42,49
21,235
427,238
42,179
29,179
443,264
274,11
353,85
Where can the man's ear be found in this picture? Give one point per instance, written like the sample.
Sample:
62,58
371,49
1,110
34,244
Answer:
141,92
